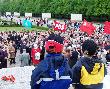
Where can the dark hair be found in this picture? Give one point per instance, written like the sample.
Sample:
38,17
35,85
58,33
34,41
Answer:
56,38
90,46
68,50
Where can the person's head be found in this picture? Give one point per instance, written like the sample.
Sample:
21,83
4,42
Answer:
54,44
108,51
10,44
89,47
67,53
24,50
24,42
35,45
13,42
5,42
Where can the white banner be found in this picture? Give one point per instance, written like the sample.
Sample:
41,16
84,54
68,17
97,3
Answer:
28,14
8,13
46,15
16,14
76,17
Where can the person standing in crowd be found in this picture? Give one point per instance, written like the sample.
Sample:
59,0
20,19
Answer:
67,54
73,58
88,73
17,41
25,57
15,46
53,72
23,46
12,53
9,36
5,49
2,58
108,55
1,38
28,50
35,54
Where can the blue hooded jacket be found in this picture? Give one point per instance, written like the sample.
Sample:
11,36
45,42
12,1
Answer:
44,76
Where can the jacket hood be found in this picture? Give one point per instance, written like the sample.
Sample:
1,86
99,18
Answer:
92,65
55,59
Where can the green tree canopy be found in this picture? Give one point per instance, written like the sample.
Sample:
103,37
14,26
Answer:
85,7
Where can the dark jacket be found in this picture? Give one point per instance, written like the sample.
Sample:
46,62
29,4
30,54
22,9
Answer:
46,69
73,59
108,57
2,58
2,55
88,74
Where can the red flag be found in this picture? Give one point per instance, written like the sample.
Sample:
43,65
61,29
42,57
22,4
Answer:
87,27
107,27
59,27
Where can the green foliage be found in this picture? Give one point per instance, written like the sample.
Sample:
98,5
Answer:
19,29
42,28
66,7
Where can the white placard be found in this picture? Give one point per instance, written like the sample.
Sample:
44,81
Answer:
46,15
76,17
16,14
8,13
28,14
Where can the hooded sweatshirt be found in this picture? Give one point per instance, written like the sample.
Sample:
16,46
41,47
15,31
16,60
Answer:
88,74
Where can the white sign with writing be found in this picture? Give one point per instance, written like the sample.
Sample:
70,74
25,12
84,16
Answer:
76,17
16,14
28,14
46,15
8,13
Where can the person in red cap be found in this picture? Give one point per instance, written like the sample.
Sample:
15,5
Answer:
53,72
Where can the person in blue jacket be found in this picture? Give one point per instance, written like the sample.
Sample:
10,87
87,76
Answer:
88,72
53,72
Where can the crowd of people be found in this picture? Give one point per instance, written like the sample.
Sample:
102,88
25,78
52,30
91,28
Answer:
36,46
10,42
19,21
44,22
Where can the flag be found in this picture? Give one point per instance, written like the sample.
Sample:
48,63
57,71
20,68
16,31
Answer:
27,23
59,27
87,27
107,27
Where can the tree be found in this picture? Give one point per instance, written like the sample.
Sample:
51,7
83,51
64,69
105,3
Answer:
64,7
